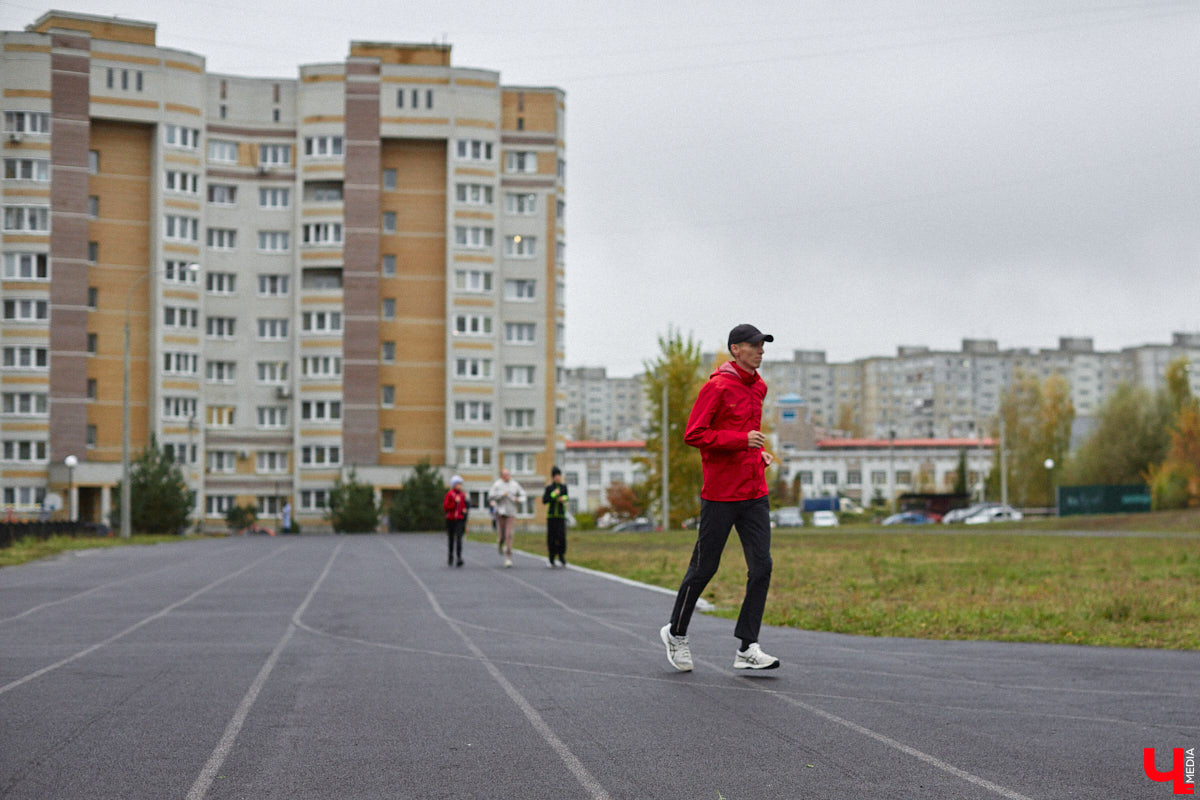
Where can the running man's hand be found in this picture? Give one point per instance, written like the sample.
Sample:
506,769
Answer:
767,458
756,439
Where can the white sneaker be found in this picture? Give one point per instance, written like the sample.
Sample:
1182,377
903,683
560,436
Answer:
678,652
508,562
754,658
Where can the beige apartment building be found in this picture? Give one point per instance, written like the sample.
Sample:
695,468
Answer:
358,268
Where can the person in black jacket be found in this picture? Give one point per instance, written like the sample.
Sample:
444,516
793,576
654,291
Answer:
555,498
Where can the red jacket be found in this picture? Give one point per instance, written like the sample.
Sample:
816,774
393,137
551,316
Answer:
455,505
728,407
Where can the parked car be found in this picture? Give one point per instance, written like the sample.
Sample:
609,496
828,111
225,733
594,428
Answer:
639,525
960,514
789,517
824,519
911,518
994,514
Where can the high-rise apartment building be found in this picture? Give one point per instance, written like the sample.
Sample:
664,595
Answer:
599,407
359,268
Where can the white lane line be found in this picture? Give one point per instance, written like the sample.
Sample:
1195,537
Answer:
569,759
157,615
225,746
94,589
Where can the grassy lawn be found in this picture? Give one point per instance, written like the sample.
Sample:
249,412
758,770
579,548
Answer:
30,549
1011,584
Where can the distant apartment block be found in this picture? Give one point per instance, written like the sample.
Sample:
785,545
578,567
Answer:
598,407
360,267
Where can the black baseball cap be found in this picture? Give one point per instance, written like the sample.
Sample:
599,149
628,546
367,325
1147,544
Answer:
748,333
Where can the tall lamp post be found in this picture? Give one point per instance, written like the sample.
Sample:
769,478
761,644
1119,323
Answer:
71,462
126,492
1049,465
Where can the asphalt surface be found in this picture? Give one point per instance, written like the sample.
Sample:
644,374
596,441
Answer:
364,667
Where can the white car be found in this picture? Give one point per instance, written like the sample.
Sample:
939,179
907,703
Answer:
789,517
824,519
960,514
994,514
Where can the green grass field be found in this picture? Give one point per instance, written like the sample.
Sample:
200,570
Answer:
1009,584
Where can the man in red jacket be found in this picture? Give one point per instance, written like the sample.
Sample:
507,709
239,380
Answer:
724,424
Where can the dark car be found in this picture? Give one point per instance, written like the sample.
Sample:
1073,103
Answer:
911,518
639,525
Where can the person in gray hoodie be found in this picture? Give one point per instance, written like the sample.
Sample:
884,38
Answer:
508,496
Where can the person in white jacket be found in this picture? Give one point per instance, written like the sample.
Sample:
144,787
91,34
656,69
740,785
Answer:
506,495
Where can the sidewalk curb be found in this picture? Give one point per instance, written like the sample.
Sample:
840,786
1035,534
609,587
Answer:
701,604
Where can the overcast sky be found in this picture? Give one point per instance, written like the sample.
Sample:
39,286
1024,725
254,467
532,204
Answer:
849,176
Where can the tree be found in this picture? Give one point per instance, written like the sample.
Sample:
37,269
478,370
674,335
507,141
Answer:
623,501
678,369
1132,433
960,477
417,505
352,507
240,517
1036,418
161,499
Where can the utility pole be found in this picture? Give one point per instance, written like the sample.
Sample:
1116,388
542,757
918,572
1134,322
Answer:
666,464
1003,464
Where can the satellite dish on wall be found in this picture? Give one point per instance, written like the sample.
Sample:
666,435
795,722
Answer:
52,502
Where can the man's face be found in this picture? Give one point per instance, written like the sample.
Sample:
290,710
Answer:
746,355
505,474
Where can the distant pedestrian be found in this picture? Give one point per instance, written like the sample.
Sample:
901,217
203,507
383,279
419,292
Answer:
725,425
455,505
555,499
508,496
286,520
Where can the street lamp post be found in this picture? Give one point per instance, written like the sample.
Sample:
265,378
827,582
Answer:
1049,465
126,492
71,461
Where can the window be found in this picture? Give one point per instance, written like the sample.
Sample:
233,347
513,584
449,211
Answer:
321,321
178,452
323,146
472,411
93,298
389,265
274,198
321,366
180,272
24,404
320,455
222,238
25,357
223,151
181,229
805,476
854,477
24,451
321,410
473,150
26,310
177,363
222,194
93,206
472,236
93,162
27,169
473,194
387,352
387,396
219,416
27,218
179,407
272,330
272,371
272,155
220,282
274,241
181,317
519,332
327,194
829,477
219,327
313,499
27,122
524,203
389,222
93,344
271,461
518,418
904,476
518,375
216,505
183,183
92,389
93,252
520,161
387,439
521,463
389,179
389,308
29,497
519,289
222,461
472,325
272,417
322,233
520,246
473,280
473,368
273,285
27,266
473,456
180,137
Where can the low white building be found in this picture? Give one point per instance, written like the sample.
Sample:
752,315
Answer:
590,467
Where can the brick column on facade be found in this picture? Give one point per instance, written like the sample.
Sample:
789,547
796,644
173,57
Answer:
360,270
70,65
